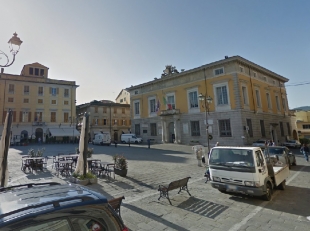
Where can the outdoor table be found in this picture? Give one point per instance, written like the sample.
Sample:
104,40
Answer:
65,166
35,162
90,161
106,166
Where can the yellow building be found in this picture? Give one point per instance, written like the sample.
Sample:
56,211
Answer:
249,103
107,116
303,123
42,107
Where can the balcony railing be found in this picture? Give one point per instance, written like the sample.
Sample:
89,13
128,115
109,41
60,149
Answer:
170,112
38,124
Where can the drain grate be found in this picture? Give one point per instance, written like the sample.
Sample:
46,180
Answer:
203,208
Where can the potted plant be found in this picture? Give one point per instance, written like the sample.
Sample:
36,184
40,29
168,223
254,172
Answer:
83,180
121,165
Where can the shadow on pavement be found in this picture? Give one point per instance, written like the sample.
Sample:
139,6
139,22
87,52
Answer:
154,217
141,183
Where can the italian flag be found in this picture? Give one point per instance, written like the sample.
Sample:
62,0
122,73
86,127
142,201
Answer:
169,106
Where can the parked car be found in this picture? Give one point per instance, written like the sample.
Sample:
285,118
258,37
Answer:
132,138
103,138
259,143
292,144
283,153
54,207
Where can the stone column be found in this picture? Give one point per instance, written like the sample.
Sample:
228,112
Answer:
164,130
176,129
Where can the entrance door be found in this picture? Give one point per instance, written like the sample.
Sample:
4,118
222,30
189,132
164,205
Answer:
39,133
171,132
23,136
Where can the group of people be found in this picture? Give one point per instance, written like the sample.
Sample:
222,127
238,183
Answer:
269,143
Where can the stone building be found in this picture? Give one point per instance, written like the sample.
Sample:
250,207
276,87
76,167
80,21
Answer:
249,102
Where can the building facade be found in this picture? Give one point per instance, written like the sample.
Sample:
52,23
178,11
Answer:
249,103
123,97
303,123
107,116
42,107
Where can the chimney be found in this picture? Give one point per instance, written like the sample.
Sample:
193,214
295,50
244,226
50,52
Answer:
226,57
2,70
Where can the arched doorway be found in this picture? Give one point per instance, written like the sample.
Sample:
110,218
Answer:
39,134
171,136
23,136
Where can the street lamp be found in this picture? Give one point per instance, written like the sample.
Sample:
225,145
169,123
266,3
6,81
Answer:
14,45
207,102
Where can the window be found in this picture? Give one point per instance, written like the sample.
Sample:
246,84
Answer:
136,92
152,106
26,100
115,110
241,69
121,100
38,116
123,110
224,128
144,131
53,116
30,71
306,126
153,129
195,128
222,97
66,102
36,71
115,122
41,72
96,109
277,103
123,122
219,71
40,101
262,128
249,127
104,121
24,116
40,91
284,104
26,90
268,100
10,99
254,74
53,91
137,129
66,93
281,129
66,117
245,95
54,225
96,121
170,102
257,98
193,99
11,88
137,108
53,101
288,128
104,110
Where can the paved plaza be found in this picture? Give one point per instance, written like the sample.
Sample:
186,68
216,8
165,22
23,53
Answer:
206,209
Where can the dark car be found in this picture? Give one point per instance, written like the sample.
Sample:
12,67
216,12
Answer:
283,153
56,207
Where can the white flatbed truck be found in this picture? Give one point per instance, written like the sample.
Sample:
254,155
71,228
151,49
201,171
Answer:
246,170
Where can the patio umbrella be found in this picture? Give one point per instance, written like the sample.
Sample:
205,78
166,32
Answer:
81,166
4,148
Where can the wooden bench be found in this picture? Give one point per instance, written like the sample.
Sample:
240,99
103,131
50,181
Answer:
116,204
182,184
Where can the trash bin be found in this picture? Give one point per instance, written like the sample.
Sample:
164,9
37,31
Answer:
199,151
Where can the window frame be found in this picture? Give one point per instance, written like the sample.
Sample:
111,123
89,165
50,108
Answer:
137,129
268,98
42,101
53,119
258,98
40,94
224,106
136,109
262,128
195,128
174,103
196,107
53,100
25,90
11,88
245,97
153,128
222,72
226,123
68,93
277,102
152,108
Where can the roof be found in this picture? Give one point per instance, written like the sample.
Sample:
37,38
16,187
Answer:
211,65
32,199
235,147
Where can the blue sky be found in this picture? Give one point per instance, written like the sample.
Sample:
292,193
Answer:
106,46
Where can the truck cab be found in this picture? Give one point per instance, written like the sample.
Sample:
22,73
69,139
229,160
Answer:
246,170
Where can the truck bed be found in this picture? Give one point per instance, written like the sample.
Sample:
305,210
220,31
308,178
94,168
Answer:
280,173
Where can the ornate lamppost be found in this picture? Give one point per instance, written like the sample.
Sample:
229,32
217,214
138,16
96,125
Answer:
14,45
207,101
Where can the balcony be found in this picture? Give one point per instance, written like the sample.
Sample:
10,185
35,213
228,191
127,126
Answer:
38,124
169,112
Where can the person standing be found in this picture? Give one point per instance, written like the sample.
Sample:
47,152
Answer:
305,151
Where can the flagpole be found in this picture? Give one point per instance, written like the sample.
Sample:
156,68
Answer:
6,148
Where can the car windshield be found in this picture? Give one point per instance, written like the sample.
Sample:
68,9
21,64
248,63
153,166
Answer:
260,141
274,151
232,157
292,141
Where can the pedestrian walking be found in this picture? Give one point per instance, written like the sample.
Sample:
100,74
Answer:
305,151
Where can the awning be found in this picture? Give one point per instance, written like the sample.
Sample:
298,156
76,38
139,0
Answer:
64,132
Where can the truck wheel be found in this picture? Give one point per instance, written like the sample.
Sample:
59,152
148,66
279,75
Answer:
282,185
268,194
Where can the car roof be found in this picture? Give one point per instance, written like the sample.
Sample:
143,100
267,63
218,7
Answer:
236,147
21,200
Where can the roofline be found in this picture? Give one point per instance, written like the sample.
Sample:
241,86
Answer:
210,65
